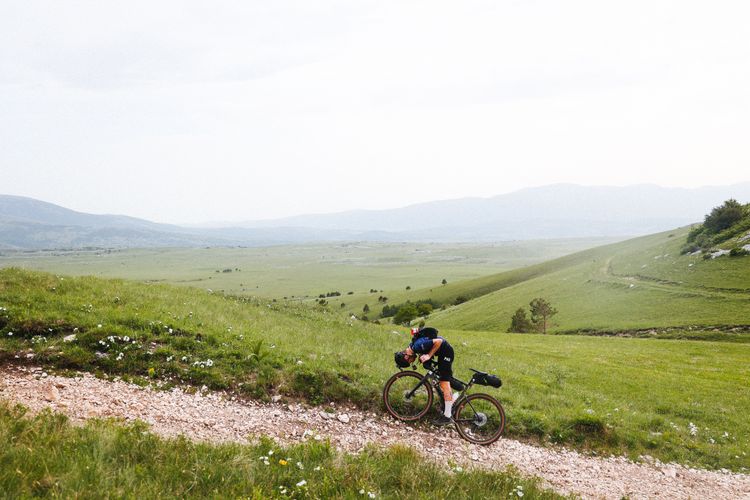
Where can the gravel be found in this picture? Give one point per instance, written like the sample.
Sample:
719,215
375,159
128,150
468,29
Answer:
216,417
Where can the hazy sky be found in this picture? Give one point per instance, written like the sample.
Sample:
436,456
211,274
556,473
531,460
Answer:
195,111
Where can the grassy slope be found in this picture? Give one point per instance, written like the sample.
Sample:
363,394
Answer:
623,396
639,283
45,456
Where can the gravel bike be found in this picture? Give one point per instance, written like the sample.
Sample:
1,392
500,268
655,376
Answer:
479,418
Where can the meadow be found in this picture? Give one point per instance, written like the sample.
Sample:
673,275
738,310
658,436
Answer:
46,456
678,401
302,271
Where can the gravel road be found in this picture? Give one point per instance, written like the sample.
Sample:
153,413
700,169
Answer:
216,417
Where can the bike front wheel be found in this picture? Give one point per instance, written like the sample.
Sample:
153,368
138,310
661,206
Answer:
479,418
407,396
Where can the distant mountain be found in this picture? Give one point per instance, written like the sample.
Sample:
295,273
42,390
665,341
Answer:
29,224
555,211
559,210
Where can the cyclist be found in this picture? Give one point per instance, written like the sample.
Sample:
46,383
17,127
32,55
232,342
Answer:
426,343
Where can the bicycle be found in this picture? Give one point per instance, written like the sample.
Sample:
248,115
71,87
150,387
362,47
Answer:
479,418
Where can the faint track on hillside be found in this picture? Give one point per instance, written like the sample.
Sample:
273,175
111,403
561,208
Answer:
607,275
215,417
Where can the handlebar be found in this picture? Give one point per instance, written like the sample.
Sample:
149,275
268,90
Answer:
430,364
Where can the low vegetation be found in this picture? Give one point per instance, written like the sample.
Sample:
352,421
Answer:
721,225
540,313
609,395
45,456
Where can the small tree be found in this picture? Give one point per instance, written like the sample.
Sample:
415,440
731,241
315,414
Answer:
405,314
541,312
445,281
519,323
366,309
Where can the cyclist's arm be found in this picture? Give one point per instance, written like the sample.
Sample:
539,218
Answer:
435,346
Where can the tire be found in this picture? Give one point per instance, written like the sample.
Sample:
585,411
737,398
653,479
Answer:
397,388
479,418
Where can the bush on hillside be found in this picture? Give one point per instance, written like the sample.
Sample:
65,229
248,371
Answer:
723,223
406,314
423,308
520,323
723,217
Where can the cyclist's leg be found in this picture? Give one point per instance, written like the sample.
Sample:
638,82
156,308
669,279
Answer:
445,374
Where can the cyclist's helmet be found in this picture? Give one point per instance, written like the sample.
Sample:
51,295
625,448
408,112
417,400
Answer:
414,332
400,358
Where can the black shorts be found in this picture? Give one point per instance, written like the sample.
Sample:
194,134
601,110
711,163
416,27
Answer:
445,362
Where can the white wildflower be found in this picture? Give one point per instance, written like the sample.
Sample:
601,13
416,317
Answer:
300,466
10,334
371,494
99,325
301,483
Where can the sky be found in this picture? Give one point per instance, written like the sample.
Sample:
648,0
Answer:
183,111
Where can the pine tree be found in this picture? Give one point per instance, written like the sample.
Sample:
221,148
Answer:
519,323
541,312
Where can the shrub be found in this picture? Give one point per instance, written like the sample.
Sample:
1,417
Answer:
406,314
723,217
424,309
520,323
738,252
460,300
389,311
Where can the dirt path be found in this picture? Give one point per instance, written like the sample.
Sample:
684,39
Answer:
216,418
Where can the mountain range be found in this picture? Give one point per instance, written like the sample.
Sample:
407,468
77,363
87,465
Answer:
553,211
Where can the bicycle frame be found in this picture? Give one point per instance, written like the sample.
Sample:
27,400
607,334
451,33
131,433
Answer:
431,377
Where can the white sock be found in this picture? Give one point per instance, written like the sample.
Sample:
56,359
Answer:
448,408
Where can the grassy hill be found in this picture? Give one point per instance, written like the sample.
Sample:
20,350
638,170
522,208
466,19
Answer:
643,283
621,396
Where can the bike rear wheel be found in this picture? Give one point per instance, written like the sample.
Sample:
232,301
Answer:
479,418
404,397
